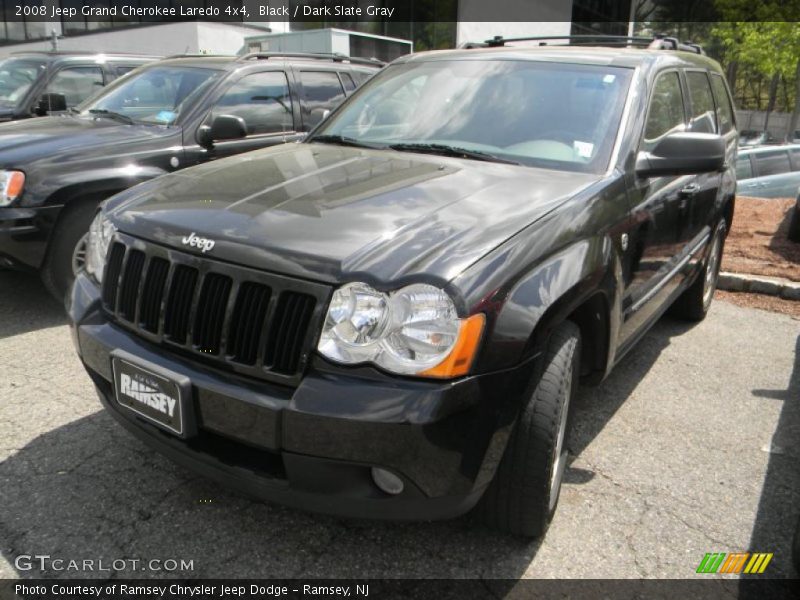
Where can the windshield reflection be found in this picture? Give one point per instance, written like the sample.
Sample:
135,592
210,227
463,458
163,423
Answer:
553,115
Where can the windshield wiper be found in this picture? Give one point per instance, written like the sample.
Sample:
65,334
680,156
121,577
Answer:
102,112
455,151
342,141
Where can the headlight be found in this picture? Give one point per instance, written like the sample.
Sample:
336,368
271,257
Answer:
413,331
11,185
100,233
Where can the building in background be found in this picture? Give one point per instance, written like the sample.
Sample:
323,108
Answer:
431,24
331,41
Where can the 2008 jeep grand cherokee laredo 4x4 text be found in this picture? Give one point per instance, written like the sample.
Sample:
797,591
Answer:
391,318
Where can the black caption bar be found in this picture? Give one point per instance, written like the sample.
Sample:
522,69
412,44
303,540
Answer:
385,589
400,11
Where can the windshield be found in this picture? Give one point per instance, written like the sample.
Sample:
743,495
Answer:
552,115
155,95
17,75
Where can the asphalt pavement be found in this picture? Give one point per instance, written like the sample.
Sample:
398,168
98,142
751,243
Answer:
691,446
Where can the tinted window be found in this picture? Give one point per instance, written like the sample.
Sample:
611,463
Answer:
76,83
703,111
349,84
16,77
559,116
262,100
772,163
744,170
666,107
321,91
724,108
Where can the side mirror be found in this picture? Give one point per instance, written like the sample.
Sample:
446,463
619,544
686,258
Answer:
224,127
325,114
683,154
51,103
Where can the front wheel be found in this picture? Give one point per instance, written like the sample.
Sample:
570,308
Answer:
694,303
524,494
66,253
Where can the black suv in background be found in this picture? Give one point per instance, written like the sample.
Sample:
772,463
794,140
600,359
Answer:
33,84
391,319
166,116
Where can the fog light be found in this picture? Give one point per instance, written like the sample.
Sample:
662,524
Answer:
387,481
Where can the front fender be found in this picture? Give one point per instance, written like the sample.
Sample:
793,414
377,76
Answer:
100,183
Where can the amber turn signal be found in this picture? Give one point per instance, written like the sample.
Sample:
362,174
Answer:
459,361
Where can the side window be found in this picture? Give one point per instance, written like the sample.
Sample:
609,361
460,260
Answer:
76,83
347,81
703,111
744,170
262,100
321,91
723,100
795,154
666,107
772,163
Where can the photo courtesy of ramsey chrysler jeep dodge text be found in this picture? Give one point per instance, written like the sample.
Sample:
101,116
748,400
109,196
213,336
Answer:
391,319
171,114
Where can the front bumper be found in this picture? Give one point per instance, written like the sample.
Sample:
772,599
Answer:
313,446
24,233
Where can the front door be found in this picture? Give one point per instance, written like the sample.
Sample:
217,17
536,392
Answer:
660,214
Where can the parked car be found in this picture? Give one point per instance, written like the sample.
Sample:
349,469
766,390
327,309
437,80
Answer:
35,83
769,172
749,138
391,319
164,117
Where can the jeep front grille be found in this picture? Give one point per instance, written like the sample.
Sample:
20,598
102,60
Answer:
248,321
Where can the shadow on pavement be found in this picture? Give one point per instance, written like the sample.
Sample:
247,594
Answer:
25,305
87,490
779,506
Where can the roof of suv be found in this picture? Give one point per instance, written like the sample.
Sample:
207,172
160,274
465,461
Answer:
590,55
65,55
225,61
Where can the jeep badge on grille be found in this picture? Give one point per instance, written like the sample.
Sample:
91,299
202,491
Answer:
204,244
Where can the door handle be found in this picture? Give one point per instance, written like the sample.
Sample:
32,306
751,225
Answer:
689,190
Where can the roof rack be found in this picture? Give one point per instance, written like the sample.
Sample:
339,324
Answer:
658,42
197,55
83,53
335,57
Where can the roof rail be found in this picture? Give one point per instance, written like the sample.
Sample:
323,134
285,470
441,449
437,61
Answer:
335,57
658,42
83,53
190,55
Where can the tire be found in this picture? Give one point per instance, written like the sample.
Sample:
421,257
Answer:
694,303
60,264
794,224
523,496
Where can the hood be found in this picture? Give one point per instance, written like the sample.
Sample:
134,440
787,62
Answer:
333,213
27,140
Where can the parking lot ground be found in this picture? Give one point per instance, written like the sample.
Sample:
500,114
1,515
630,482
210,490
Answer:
691,446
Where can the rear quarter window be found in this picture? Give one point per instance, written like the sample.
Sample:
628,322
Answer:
723,102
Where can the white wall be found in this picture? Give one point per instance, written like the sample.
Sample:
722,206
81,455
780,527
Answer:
163,39
531,18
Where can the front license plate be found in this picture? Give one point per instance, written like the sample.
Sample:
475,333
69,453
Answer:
151,393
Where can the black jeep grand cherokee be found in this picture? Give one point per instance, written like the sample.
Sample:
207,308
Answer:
391,318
